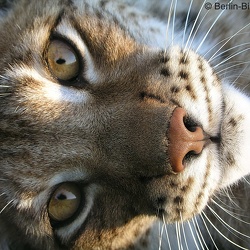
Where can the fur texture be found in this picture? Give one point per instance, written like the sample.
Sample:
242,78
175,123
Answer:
105,132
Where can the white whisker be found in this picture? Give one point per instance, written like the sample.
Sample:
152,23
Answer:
230,38
6,205
205,224
232,48
197,234
4,86
194,24
230,213
193,236
209,30
198,27
186,22
226,224
4,94
161,229
230,198
200,234
232,67
240,74
169,18
244,178
166,231
174,16
220,42
4,77
232,56
183,231
218,231
178,235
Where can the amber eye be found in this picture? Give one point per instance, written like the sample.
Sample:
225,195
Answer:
64,202
63,61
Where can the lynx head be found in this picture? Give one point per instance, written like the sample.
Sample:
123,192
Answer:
100,132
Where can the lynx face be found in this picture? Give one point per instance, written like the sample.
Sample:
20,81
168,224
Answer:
106,126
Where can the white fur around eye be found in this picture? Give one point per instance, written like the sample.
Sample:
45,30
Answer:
60,93
47,89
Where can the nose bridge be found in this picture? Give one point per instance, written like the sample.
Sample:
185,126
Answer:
135,137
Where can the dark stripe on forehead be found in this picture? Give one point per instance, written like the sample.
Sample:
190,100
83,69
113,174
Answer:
57,21
66,6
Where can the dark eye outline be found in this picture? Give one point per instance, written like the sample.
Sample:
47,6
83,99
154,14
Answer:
78,81
57,224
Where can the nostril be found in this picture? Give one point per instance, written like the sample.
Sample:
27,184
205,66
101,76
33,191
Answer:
189,156
190,124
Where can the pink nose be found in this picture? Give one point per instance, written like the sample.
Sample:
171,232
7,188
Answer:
182,140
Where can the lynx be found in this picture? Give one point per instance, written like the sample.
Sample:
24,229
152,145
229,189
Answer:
124,124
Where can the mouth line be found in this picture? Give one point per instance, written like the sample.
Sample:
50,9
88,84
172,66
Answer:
215,139
211,140
207,140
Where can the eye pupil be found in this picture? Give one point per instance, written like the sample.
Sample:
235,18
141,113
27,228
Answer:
61,197
60,61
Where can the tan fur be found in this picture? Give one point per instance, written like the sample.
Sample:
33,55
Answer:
109,132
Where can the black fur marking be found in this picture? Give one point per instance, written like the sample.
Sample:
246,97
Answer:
178,200
232,122
188,88
183,60
184,75
164,57
230,159
161,201
165,72
203,80
144,96
175,89
173,184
